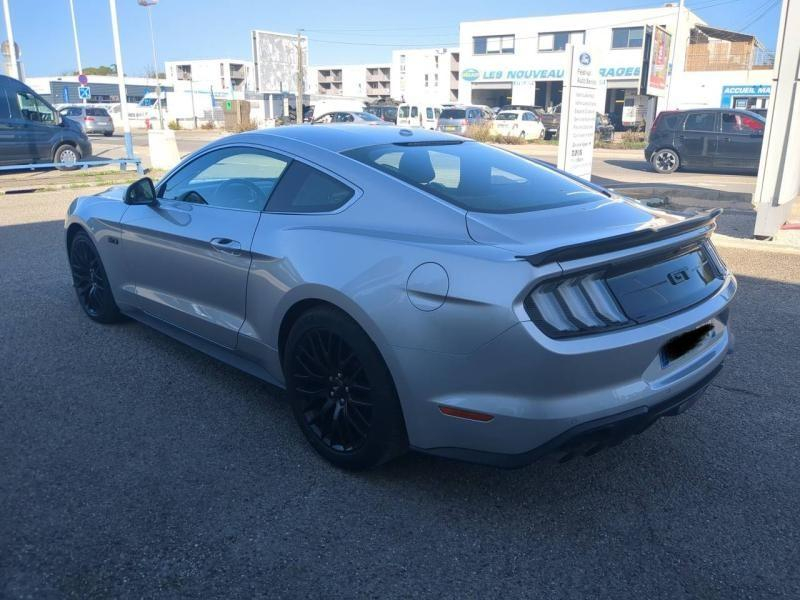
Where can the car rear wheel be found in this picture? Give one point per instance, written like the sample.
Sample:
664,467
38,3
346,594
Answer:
341,392
522,135
66,156
665,161
90,281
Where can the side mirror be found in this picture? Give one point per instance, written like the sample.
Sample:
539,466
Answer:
141,192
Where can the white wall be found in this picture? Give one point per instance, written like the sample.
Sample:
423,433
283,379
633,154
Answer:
410,84
698,89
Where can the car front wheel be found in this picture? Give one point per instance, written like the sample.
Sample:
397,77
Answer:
67,156
341,392
90,280
665,161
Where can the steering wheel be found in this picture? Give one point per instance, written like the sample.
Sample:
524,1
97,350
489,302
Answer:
232,192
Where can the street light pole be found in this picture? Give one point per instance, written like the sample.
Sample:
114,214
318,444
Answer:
75,37
148,4
126,125
672,51
12,48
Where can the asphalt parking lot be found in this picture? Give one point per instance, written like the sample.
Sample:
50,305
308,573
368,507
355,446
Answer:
132,466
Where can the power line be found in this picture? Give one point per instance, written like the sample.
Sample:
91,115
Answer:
771,4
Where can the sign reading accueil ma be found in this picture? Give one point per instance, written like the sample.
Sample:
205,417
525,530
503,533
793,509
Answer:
578,113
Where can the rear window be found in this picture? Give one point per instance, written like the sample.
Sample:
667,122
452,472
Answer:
454,113
96,112
476,177
506,116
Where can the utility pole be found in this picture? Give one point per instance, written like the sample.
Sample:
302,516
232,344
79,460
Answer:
123,96
672,50
148,4
299,101
75,37
12,47
191,90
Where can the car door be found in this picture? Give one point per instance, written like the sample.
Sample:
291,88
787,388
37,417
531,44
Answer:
37,126
739,144
10,150
188,255
697,142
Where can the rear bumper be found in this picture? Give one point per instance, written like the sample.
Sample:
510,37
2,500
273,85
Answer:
593,436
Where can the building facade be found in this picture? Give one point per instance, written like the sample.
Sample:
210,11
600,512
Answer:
63,89
220,74
370,81
429,74
522,60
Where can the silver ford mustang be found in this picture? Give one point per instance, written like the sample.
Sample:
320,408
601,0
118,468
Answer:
411,289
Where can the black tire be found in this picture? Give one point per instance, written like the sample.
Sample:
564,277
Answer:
90,281
665,161
522,135
108,133
68,155
341,391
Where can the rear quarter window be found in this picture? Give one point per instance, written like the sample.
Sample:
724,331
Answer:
303,189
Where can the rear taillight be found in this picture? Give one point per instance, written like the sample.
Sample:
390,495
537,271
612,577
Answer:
88,118
463,121
580,304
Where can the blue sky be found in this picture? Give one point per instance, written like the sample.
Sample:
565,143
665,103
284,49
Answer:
367,32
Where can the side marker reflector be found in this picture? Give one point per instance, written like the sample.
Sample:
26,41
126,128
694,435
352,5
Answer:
465,414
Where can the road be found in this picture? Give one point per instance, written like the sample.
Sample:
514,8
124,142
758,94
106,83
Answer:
134,467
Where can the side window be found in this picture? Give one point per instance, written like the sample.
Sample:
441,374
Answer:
35,110
472,113
528,117
737,123
703,121
414,112
240,178
303,189
428,113
5,107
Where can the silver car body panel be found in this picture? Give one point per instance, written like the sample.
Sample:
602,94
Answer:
439,290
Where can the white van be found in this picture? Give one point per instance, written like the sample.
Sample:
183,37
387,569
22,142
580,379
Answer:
634,111
418,115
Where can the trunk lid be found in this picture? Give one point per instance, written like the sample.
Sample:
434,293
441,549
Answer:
539,231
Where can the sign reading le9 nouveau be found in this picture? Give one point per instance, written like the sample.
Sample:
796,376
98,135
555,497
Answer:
606,72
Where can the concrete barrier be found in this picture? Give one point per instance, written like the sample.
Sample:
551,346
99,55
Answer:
163,149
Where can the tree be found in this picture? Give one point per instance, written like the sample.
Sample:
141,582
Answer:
101,70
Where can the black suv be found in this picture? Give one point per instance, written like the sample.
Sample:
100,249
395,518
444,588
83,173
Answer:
710,139
32,131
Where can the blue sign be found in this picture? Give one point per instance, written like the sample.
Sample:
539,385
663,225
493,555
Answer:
547,74
84,92
585,59
65,94
470,74
731,92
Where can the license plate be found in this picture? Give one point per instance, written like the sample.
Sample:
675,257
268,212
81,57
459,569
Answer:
450,128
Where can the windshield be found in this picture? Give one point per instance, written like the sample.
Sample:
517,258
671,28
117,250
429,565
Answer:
506,116
476,177
454,113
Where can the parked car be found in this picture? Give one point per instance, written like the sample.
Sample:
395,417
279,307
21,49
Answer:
519,123
412,289
551,120
709,138
603,128
457,119
93,119
361,118
385,112
32,131
418,115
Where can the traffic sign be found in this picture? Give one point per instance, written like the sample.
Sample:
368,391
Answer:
83,79
84,92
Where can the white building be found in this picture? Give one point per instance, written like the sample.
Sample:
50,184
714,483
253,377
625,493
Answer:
522,60
219,74
429,74
369,81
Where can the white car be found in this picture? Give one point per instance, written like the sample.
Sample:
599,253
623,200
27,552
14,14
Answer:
521,123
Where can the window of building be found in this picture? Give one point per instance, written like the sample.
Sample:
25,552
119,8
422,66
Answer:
493,44
303,189
556,41
426,80
627,37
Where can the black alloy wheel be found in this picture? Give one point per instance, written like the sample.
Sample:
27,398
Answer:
342,394
90,280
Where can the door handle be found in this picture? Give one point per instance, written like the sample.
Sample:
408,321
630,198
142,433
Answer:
226,245
726,139
681,137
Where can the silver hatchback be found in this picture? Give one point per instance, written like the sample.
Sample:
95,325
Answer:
412,289
93,119
457,119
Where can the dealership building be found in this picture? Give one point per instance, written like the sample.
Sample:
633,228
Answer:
523,60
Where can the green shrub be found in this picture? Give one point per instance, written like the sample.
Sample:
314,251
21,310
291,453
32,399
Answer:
174,125
207,125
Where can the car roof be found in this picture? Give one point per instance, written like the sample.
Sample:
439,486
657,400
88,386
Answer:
340,137
517,111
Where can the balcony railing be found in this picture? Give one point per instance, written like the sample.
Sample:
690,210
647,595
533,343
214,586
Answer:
727,56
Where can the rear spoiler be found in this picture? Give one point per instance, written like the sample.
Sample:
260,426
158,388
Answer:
626,240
